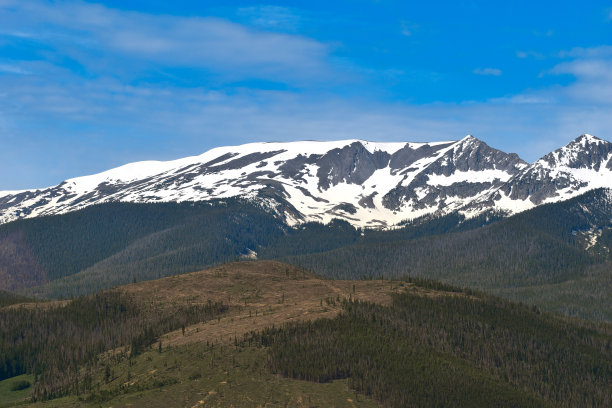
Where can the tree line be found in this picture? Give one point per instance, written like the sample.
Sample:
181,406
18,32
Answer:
468,350
54,343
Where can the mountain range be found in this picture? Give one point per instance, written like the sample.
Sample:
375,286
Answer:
368,184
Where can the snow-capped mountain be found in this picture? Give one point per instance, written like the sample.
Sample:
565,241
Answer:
582,165
369,184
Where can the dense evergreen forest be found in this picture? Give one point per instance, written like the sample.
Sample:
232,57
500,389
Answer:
117,243
543,245
463,349
56,342
537,256
9,298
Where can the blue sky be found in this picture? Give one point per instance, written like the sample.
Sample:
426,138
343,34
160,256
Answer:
88,86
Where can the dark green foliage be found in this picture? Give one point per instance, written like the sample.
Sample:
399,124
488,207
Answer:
313,237
55,342
450,350
20,385
113,244
9,298
540,246
489,257
65,244
117,243
436,285
606,238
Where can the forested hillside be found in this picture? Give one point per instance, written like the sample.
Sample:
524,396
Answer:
524,257
115,243
54,342
543,245
222,335
9,298
451,349
528,253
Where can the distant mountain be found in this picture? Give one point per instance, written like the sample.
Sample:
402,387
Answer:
582,165
369,184
557,256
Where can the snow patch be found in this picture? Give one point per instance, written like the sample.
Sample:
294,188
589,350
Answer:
483,176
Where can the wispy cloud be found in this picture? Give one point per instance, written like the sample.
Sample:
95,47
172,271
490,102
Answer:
591,69
487,71
601,51
271,17
529,54
91,33
593,81
85,95
544,33
106,113
13,69
408,28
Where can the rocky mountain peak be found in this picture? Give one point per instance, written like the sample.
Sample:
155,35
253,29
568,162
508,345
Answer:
586,151
369,184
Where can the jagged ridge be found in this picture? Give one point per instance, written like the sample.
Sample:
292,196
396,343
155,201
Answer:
369,184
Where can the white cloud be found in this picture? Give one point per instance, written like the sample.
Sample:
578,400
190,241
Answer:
529,54
487,71
592,72
93,34
13,69
586,69
601,51
523,99
271,17
59,114
589,88
173,122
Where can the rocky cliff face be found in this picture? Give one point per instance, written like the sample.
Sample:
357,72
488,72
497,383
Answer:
366,183
583,164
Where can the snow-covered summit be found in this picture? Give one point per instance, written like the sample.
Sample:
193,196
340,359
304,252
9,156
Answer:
583,164
370,184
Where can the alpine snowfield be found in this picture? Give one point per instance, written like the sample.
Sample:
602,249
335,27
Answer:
369,184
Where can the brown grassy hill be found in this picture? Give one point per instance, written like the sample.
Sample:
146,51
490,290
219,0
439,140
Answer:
200,366
260,294
455,334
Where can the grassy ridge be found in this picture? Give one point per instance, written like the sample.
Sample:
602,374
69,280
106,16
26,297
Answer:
421,344
198,375
54,341
15,391
9,298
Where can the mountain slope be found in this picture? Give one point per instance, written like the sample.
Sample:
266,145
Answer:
241,334
582,165
114,243
561,245
367,183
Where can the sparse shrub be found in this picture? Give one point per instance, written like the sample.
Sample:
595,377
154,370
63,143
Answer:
20,385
